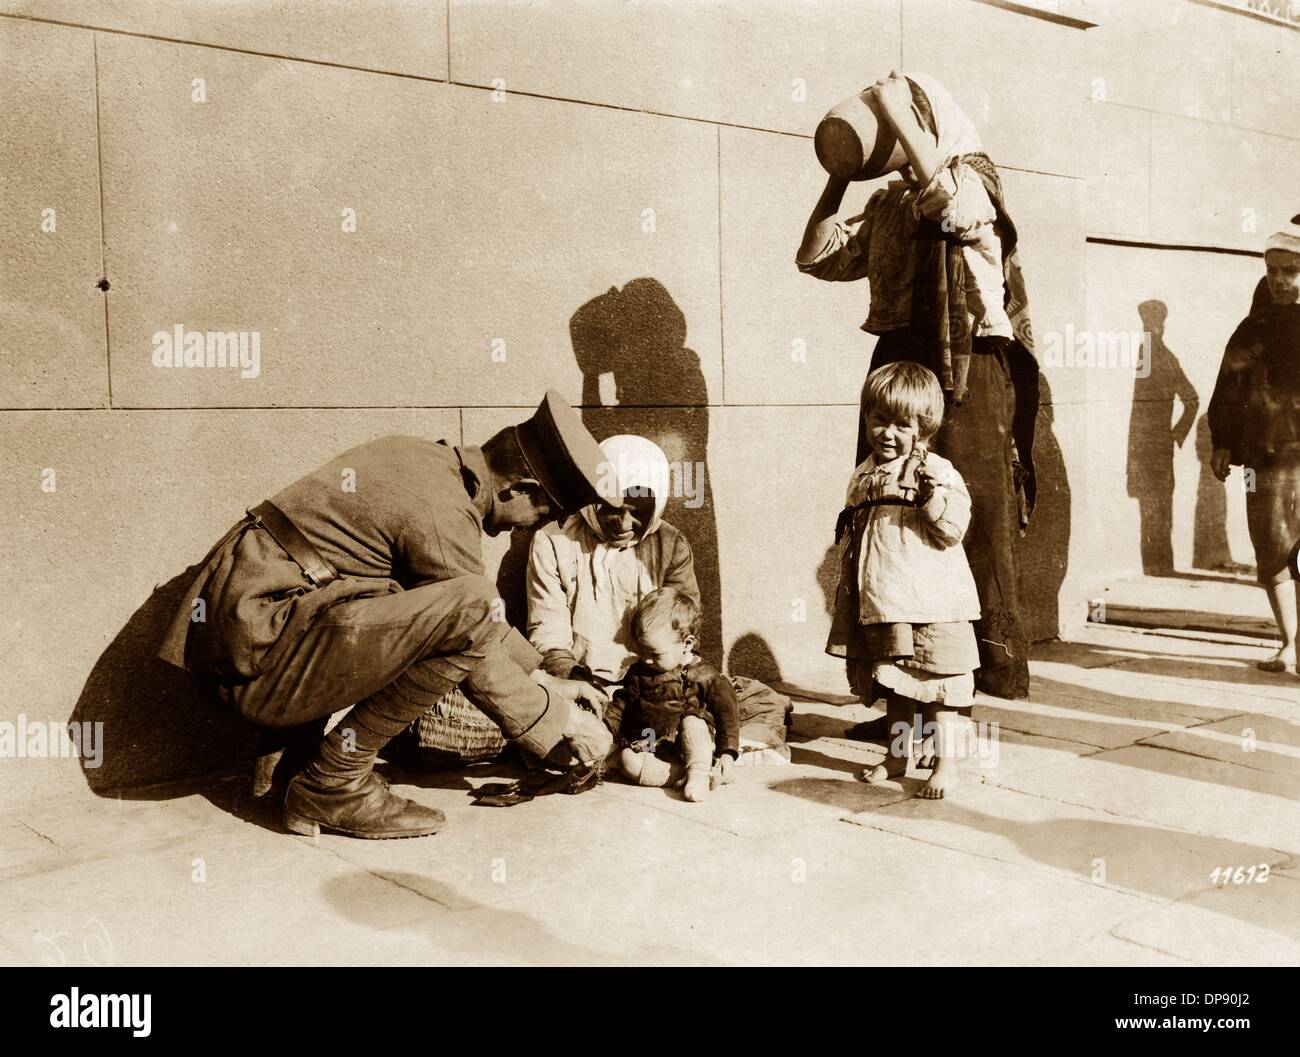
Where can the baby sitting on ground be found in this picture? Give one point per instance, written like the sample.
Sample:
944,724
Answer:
673,711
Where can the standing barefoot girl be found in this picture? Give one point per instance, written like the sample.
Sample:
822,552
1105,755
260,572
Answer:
901,556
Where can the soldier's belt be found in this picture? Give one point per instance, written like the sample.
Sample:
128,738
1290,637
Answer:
294,543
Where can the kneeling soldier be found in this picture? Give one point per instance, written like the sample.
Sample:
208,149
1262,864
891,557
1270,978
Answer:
322,598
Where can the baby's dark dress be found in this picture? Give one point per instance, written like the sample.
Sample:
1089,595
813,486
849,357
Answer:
658,701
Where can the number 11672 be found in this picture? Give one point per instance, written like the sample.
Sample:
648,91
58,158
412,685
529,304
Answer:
1240,875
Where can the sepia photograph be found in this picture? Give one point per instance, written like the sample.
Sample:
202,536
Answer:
649,483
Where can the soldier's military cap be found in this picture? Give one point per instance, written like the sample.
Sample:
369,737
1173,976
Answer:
564,456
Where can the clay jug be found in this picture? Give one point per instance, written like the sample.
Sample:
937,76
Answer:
853,144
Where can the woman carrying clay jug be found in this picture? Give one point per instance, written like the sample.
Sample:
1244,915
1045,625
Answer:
937,248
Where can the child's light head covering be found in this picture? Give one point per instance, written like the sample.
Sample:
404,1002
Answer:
1287,239
635,462
954,132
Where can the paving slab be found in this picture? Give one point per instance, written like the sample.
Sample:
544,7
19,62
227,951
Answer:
1153,862
994,750
242,897
1123,691
821,727
1248,924
1085,648
11,956
546,933
818,896
812,792
1080,717
1173,790
1268,743
1174,676
1108,950
492,855
1015,751
1224,682
86,827
765,871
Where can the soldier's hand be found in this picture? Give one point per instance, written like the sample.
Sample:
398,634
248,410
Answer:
582,693
587,737
575,691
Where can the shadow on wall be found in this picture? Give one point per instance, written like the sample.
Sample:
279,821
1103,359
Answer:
1210,549
159,724
636,336
1154,436
512,577
751,655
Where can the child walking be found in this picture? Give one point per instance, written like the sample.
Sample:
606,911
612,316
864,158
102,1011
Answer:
1255,422
673,709
906,599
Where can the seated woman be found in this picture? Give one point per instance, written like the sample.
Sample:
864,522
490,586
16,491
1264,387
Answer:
585,577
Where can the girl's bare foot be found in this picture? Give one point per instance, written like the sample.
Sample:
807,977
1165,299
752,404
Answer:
944,780
887,770
926,759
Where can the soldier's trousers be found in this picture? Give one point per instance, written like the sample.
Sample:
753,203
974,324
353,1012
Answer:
406,650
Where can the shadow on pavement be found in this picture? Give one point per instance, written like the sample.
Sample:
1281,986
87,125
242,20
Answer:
158,723
459,925
1164,864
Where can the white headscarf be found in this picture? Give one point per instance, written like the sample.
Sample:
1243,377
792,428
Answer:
635,463
954,131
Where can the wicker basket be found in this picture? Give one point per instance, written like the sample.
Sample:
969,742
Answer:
454,725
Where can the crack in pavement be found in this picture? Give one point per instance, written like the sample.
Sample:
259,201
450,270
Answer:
33,829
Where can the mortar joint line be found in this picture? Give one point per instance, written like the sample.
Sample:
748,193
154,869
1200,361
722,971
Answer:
103,250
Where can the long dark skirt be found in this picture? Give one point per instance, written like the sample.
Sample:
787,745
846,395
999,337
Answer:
976,437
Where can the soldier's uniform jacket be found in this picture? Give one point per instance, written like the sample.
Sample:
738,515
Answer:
389,515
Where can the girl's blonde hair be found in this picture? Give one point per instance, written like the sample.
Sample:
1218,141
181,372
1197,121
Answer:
906,390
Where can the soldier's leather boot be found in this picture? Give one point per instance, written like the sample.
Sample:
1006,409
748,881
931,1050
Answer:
339,792
284,753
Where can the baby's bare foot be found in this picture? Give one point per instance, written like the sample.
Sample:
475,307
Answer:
696,786
944,780
887,770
